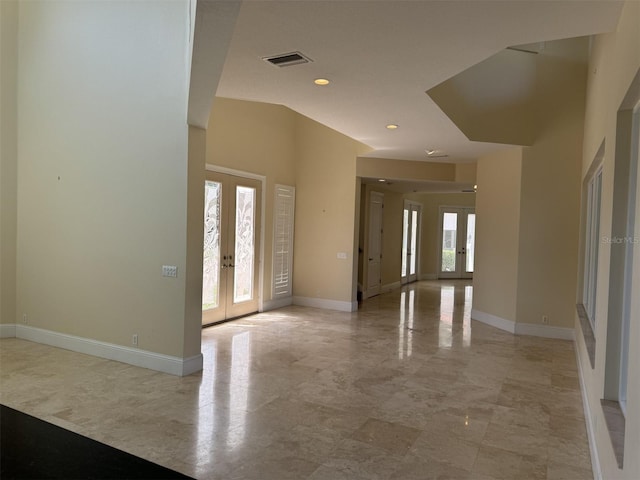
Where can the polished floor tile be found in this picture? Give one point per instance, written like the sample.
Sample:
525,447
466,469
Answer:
407,387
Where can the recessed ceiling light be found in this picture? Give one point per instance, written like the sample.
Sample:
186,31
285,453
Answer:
430,152
392,126
321,81
381,179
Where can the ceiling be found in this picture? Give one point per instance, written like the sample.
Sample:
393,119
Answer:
382,56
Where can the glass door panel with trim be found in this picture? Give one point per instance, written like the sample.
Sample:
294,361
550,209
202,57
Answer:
457,242
410,238
231,245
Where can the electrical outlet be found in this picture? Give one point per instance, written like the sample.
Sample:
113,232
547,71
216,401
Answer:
134,339
169,271
545,319
24,318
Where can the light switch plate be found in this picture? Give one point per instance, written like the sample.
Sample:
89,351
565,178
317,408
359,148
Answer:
169,271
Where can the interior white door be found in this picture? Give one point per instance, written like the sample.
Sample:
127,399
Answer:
411,219
457,242
231,246
374,279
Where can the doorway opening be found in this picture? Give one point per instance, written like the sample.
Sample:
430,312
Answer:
411,219
457,242
230,272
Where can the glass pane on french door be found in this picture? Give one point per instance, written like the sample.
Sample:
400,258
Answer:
449,240
244,244
405,232
471,239
211,257
414,237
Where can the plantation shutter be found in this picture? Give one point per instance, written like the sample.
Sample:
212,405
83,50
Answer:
283,240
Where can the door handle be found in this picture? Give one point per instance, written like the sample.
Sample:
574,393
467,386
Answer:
231,265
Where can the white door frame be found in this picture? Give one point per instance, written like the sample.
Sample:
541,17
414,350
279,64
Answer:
263,179
462,212
411,206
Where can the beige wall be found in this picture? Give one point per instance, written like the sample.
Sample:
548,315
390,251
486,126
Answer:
614,61
430,235
290,149
550,197
405,169
258,138
326,199
495,278
102,180
392,238
546,189
466,172
8,158
195,235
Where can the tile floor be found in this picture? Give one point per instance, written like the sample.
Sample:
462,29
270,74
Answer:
406,388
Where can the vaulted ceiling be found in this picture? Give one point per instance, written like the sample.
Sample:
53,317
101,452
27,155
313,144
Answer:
383,56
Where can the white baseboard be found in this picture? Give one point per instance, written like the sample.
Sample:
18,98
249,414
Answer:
325,303
389,287
494,321
588,418
546,331
7,330
428,276
277,303
531,329
132,356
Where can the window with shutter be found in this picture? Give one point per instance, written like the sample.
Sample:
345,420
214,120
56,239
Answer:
283,240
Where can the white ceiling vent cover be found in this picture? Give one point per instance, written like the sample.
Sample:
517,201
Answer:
288,59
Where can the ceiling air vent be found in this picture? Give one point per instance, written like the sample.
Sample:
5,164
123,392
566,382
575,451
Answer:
287,59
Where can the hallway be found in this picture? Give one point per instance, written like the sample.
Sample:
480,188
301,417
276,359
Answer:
406,388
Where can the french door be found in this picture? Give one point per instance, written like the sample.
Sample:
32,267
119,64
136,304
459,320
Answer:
410,242
231,246
457,242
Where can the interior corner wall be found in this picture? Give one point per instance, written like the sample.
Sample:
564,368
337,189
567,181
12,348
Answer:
430,234
258,138
102,170
550,198
466,172
614,62
195,235
391,262
325,212
8,158
392,216
495,280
